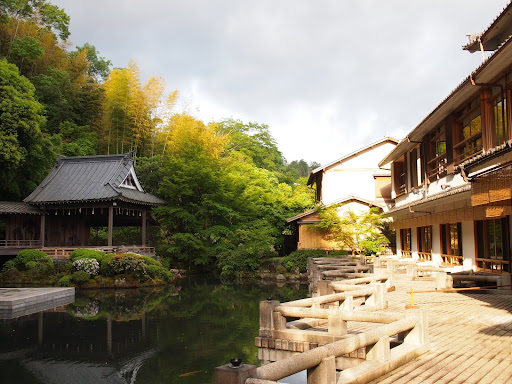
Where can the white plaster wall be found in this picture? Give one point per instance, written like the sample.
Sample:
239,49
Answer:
414,243
448,182
354,176
354,206
468,245
436,245
398,244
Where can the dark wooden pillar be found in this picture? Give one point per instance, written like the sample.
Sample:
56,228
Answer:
110,224
43,229
144,223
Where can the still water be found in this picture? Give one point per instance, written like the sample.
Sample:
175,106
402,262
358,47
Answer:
169,335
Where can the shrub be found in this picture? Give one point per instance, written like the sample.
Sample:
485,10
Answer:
80,277
156,272
30,255
91,266
281,269
30,265
150,261
9,264
127,263
65,281
104,264
86,253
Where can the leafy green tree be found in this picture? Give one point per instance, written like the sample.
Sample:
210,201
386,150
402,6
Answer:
25,155
99,67
55,92
26,49
255,141
356,233
41,12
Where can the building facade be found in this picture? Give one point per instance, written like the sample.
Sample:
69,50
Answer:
451,175
353,182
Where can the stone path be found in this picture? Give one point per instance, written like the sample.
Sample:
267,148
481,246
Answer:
470,336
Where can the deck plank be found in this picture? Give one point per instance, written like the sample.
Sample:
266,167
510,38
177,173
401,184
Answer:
470,336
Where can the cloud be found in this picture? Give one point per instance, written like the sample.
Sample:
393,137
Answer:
326,76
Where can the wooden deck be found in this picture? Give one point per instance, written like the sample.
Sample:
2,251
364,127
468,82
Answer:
470,336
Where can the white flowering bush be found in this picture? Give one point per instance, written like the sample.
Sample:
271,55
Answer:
91,266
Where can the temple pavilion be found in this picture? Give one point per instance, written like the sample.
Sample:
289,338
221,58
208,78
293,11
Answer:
78,194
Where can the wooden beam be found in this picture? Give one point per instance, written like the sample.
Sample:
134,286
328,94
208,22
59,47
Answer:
43,229
144,223
110,224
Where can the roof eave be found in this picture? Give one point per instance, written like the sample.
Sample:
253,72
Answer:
486,72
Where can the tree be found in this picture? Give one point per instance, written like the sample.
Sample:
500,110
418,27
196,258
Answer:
25,155
99,67
358,233
27,49
40,12
255,141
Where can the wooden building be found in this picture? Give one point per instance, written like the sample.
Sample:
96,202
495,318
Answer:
451,175
353,182
78,194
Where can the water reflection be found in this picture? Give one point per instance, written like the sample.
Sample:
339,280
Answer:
170,335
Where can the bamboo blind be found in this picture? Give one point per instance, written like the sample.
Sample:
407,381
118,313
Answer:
491,188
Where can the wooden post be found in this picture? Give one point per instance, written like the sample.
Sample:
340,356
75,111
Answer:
324,373
43,228
144,222
110,224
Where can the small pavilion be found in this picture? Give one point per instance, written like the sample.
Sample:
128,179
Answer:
78,194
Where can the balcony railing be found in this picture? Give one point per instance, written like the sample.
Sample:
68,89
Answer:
20,243
451,260
493,265
424,256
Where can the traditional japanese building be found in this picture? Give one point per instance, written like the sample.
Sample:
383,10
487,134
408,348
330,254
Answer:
353,182
78,194
452,176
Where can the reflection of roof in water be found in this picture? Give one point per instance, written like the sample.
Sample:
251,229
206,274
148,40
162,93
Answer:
50,371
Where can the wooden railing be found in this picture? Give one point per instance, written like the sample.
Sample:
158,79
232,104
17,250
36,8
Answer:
424,256
451,260
61,252
493,265
406,254
313,334
20,243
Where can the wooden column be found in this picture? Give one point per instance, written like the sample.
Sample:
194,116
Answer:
144,223
110,224
43,228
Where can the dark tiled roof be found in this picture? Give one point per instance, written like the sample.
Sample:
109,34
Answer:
18,208
90,179
499,30
344,200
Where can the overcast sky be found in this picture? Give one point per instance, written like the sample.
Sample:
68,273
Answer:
327,76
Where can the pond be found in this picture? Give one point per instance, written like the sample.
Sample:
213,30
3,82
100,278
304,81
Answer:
168,335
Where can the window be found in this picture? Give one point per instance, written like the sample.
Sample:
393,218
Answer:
493,249
451,244
415,161
405,240
382,187
400,176
425,243
425,239
468,132
436,157
500,118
